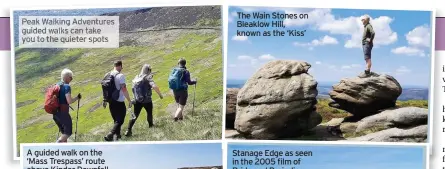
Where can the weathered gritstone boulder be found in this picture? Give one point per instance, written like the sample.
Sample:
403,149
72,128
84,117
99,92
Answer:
365,96
231,107
417,134
402,118
391,125
277,101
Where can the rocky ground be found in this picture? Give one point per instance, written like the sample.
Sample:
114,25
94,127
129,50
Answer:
278,102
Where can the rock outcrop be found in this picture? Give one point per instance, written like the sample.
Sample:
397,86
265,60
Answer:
365,96
277,101
407,124
417,134
231,107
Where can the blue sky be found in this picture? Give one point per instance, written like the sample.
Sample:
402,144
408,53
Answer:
331,44
345,156
159,156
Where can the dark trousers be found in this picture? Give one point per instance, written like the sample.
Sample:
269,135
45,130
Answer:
137,111
118,111
63,122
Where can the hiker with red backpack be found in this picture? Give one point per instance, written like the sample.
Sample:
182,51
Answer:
143,83
178,81
115,92
57,101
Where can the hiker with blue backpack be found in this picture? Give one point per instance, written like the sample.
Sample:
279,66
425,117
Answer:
178,81
143,83
115,92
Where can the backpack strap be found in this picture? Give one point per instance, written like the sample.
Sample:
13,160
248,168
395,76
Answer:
115,80
60,88
182,73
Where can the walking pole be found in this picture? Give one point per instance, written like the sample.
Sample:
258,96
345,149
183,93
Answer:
77,119
194,94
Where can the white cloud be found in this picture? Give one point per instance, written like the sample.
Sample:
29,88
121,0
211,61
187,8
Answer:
419,36
232,15
244,57
350,66
332,66
326,40
252,60
410,51
383,32
318,62
417,39
239,38
324,20
266,57
402,70
346,67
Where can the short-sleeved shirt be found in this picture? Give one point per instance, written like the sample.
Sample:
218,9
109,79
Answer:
65,89
368,32
119,79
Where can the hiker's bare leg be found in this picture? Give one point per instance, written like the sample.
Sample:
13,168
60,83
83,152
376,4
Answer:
178,113
368,64
63,138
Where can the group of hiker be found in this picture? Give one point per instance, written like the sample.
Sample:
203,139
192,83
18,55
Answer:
115,92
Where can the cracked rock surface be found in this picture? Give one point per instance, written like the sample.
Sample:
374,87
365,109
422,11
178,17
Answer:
277,101
365,96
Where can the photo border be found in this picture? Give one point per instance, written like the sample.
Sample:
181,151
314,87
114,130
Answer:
148,5
135,143
431,89
426,156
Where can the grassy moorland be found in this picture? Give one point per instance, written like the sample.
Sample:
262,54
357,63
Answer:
36,69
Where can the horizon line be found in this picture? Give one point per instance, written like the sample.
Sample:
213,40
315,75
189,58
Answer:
331,83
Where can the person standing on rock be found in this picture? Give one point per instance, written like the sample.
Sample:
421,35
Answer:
62,117
117,106
179,80
368,43
142,86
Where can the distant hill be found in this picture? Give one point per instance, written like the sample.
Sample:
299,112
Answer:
165,17
408,92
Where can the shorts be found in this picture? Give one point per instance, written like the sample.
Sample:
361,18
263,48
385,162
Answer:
367,50
181,97
64,122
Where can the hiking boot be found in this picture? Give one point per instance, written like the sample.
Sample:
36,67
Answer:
128,133
175,119
118,137
366,74
109,137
